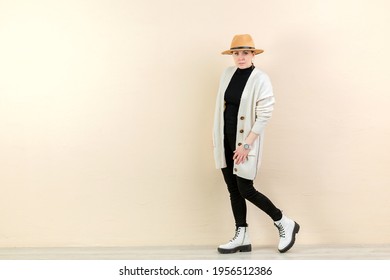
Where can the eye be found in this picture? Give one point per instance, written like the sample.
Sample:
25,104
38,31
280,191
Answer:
245,52
235,53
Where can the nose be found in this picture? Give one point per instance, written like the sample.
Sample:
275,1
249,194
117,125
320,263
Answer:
241,56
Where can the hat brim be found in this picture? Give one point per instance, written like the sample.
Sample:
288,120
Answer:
256,51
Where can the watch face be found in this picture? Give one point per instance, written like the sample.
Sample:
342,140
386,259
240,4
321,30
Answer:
246,147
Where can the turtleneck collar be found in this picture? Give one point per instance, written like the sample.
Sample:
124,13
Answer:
245,70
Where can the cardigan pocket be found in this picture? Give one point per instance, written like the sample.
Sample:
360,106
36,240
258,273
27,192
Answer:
255,149
251,161
252,153
247,169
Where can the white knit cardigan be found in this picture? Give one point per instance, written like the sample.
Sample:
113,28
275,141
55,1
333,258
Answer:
255,110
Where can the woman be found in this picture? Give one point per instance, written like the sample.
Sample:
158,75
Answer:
244,105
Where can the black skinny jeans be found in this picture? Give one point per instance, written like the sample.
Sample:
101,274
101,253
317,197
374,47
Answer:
240,189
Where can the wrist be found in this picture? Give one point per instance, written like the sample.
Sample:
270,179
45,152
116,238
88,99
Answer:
247,146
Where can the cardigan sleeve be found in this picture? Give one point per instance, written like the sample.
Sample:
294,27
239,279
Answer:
263,110
264,104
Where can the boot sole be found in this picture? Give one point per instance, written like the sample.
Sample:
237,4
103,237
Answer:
295,231
244,248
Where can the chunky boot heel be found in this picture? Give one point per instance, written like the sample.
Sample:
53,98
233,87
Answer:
246,248
297,227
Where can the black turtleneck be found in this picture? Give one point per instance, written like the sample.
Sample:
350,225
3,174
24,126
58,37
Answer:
233,97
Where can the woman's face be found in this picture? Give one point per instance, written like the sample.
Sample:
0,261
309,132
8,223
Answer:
243,59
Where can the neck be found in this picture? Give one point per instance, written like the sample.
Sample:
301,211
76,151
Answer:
248,69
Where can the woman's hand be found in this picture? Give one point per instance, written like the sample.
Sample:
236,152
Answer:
240,155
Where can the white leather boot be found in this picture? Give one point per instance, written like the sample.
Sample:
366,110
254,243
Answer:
287,230
240,242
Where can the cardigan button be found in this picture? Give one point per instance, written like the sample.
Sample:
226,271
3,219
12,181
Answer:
235,169
239,144
241,131
242,118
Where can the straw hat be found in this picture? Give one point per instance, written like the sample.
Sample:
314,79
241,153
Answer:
242,42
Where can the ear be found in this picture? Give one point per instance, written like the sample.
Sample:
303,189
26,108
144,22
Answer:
253,56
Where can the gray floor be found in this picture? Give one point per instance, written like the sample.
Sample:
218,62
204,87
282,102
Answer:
378,252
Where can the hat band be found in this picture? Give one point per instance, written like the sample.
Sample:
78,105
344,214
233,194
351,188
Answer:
240,48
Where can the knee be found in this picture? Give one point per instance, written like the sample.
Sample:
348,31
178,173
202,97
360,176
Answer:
233,190
245,187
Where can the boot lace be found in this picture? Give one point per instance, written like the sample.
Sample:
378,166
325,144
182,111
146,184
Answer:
236,234
282,232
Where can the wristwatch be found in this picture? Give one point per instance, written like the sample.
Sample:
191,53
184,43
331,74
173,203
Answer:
247,146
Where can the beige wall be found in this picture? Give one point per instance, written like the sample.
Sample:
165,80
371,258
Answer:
106,112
